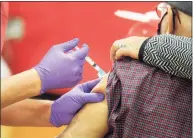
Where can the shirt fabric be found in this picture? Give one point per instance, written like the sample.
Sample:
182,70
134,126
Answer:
145,102
171,53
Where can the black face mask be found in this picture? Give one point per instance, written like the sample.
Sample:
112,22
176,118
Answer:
159,25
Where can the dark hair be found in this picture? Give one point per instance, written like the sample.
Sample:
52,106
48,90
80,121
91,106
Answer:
183,6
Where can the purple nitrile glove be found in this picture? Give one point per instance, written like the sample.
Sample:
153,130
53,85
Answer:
60,68
65,108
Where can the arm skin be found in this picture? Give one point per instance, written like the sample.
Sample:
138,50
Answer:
19,87
91,120
27,113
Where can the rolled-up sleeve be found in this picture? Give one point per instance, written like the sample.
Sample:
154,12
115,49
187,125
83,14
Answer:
172,54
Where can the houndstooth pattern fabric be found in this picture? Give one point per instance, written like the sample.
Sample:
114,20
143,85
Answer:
145,102
171,53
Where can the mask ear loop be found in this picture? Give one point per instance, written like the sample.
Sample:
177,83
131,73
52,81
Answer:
162,17
171,21
159,25
175,14
174,21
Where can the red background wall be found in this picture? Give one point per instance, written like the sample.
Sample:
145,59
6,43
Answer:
4,18
49,23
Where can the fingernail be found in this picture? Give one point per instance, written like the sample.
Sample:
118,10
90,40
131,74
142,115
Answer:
101,96
84,45
75,39
72,40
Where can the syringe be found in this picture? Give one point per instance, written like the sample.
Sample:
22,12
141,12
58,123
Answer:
101,73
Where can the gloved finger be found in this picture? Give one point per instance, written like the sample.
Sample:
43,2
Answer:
88,86
93,97
82,52
68,45
70,51
81,62
79,71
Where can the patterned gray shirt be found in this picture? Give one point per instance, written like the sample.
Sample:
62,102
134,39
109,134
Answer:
171,53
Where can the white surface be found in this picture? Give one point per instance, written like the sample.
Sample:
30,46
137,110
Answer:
15,29
148,16
5,71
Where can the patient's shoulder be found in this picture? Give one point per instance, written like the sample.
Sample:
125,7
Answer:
131,69
129,65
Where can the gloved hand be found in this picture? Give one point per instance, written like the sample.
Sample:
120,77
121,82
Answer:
60,68
65,108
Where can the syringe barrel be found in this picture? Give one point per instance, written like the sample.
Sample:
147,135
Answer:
89,60
101,73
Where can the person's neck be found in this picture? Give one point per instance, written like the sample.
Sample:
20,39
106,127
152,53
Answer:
184,32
